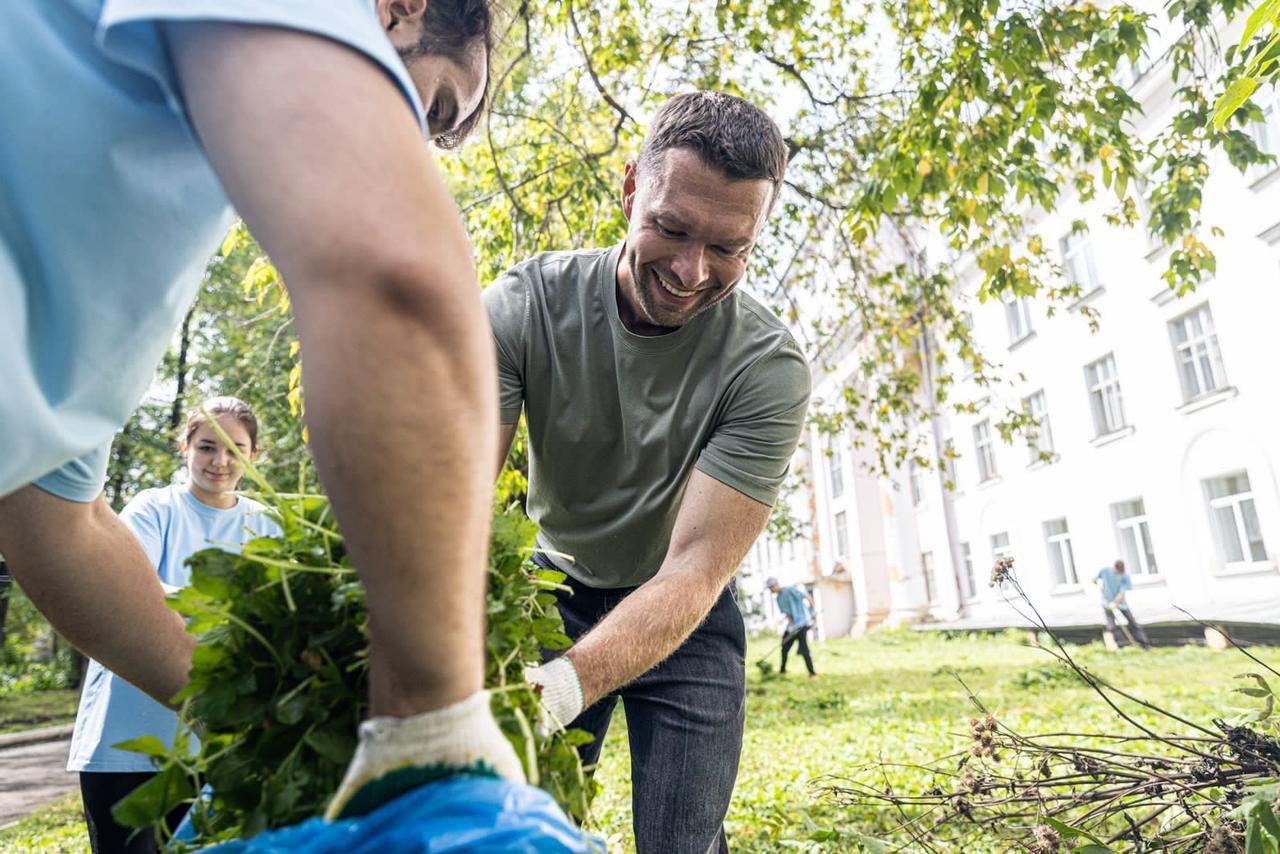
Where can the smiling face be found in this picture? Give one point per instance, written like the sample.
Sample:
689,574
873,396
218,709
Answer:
213,472
690,234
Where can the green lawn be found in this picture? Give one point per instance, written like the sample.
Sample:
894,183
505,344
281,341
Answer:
37,709
56,829
891,697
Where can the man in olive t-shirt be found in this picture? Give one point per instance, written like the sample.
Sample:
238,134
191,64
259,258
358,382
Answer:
663,407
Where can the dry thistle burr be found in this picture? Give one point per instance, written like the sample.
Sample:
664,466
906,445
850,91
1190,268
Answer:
983,731
1048,841
1002,571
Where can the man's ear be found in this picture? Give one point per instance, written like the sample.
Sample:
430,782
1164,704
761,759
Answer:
398,13
629,182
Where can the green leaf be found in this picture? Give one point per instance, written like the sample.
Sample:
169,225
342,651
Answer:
1253,841
1267,13
147,745
1267,818
1237,93
337,747
154,799
1066,831
577,737
871,845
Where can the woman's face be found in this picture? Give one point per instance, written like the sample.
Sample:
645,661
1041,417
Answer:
211,466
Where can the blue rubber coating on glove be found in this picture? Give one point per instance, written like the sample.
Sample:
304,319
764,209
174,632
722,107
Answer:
473,814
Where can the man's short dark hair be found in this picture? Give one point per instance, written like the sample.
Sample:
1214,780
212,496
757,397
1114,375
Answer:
727,133
449,27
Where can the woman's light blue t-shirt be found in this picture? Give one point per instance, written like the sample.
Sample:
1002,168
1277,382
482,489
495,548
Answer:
109,211
171,525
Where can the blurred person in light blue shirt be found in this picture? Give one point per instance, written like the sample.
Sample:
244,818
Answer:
171,524
129,129
797,606
1114,582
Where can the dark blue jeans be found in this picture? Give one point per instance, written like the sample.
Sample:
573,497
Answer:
684,723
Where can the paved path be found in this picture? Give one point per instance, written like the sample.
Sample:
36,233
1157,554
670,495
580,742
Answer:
31,775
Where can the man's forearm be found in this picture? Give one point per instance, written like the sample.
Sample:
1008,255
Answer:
403,426
715,527
84,570
643,630
397,357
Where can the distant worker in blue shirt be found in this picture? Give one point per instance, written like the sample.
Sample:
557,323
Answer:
1114,583
797,606
130,134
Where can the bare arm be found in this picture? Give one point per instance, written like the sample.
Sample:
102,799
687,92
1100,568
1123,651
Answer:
320,154
715,527
86,572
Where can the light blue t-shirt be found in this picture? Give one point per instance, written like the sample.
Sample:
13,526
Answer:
171,525
109,211
793,603
1112,583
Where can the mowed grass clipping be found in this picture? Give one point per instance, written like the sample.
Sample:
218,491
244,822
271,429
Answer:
894,697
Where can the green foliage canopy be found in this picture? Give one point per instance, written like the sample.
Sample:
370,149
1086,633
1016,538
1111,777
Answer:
922,133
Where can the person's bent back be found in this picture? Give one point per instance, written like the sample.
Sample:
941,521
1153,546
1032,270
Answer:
129,129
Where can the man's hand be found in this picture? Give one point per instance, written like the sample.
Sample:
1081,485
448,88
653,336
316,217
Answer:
559,694
399,754
714,529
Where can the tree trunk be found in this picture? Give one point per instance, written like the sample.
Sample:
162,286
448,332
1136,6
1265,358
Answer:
80,662
184,344
6,584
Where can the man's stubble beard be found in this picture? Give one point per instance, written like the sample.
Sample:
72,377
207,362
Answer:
650,311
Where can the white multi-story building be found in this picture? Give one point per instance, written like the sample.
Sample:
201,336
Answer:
1159,440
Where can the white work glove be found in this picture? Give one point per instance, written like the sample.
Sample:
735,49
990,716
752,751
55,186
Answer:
398,754
559,692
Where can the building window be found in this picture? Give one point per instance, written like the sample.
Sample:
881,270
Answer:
1195,347
1104,395
842,534
1133,535
1017,314
917,484
835,468
1077,261
970,580
930,583
1235,519
1000,547
1266,133
1039,437
985,452
1062,563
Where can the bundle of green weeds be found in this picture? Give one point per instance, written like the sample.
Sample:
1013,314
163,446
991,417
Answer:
280,676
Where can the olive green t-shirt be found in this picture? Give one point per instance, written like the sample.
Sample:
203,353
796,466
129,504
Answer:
618,421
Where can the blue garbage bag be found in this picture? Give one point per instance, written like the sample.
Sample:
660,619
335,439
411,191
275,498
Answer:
464,813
